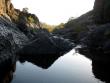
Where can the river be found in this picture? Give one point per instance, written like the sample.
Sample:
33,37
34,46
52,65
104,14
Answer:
69,68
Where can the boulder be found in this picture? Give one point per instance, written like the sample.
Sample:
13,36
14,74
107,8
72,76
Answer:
46,44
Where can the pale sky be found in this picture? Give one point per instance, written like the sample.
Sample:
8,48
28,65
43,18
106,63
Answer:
55,11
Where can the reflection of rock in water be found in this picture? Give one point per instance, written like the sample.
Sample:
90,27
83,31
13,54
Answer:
100,64
101,70
6,71
43,61
44,49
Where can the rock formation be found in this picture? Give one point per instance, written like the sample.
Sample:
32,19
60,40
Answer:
46,44
2,7
6,8
19,30
91,30
13,37
101,11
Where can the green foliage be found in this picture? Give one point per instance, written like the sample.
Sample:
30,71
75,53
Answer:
31,19
52,28
47,26
58,27
61,25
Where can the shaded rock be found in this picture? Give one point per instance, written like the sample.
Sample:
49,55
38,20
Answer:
46,44
11,39
106,47
7,27
101,11
98,39
75,29
28,23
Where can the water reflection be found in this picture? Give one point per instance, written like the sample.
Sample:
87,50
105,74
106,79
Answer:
101,70
100,65
7,69
66,69
43,61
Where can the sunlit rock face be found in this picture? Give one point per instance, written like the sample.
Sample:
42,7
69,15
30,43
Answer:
6,8
2,7
101,11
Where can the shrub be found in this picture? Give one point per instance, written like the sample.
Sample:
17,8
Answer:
31,19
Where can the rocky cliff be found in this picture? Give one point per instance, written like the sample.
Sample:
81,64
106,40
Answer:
91,30
20,33
102,11
7,9
13,26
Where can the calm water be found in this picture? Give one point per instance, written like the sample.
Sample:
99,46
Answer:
70,68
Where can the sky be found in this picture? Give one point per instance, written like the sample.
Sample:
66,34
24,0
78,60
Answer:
55,11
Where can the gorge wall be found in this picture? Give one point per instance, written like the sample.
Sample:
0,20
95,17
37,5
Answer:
16,29
21,34
102,11
7,9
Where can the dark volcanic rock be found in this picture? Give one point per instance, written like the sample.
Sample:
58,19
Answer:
75,29
7,27
46,44
20,30
11,39
101,11
98,39
28,23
